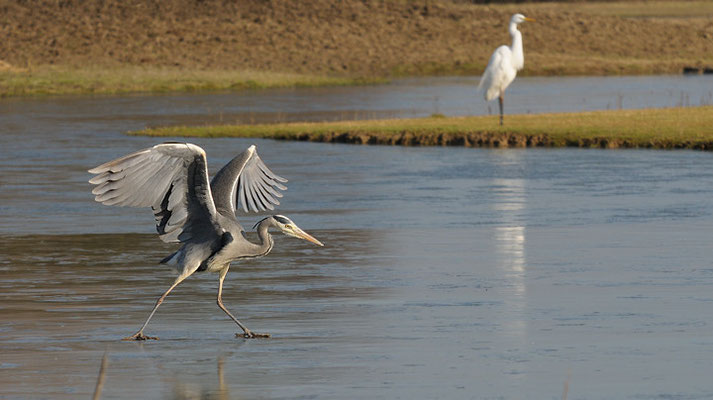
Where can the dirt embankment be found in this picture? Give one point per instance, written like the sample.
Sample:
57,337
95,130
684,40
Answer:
492,140
476,139
349,37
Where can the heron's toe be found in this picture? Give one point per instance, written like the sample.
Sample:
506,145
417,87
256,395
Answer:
140,336
252,335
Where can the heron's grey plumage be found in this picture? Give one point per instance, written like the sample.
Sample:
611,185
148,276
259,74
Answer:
172,179
246,181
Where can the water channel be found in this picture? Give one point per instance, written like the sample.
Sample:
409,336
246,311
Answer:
446,273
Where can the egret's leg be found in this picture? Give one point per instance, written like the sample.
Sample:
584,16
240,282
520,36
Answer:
140,334
247,333
500,101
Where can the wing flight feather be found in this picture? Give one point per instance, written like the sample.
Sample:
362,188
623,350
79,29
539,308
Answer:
247,183
172,179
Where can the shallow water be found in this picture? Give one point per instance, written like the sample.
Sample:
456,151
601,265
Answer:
420,97
447,272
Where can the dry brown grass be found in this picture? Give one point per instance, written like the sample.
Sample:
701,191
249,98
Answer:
649,9
6,67
355,38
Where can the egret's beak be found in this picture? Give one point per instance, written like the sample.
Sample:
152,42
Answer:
300,234
530,19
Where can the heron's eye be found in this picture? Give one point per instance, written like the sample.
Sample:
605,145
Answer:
288,226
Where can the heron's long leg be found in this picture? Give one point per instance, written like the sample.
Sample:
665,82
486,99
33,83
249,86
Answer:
500,101
140,334
247,333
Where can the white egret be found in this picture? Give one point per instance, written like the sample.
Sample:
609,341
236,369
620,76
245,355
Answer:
504,64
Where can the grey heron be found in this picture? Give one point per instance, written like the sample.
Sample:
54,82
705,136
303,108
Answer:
172,179
504,64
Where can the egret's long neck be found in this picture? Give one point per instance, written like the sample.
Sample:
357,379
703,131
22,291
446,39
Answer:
518,57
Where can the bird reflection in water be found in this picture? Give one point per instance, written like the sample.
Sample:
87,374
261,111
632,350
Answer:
510,247
186,391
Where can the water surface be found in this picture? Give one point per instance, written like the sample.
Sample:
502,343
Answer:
446,272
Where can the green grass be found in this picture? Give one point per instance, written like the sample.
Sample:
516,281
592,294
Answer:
689,127
130,79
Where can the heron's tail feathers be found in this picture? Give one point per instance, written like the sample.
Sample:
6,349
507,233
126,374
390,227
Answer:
172,260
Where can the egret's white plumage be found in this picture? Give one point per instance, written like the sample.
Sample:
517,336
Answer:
504,64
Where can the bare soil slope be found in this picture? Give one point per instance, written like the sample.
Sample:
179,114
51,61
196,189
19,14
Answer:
349,37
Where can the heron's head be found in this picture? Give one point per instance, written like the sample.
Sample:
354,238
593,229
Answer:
289,228
519,18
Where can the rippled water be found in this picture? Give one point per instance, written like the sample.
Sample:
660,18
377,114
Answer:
447,272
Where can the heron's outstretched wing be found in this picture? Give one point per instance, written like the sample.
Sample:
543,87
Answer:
496,73
172,179
246,181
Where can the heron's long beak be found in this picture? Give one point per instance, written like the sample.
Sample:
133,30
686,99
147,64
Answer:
530,19
299,233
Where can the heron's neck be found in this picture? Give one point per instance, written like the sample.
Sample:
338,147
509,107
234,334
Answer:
265,245
518,57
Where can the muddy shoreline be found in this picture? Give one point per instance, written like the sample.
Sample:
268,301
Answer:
488,139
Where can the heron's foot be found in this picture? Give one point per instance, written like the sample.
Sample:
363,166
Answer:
252,335
140,336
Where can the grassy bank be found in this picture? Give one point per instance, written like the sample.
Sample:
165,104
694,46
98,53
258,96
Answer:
128,79
671,128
